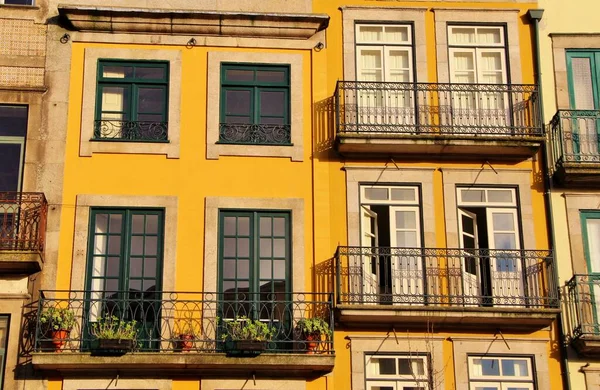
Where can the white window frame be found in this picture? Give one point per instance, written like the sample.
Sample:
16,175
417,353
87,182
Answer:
460,202
397,381
501,381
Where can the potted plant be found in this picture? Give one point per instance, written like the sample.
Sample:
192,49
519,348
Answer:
186,332
114,335
57,323
244,335
313,330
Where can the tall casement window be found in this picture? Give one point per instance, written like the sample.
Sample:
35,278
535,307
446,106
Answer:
255,104
125,253
254,262
590,223
492,269
500,373
384,55
397,372
477,55
13,131
391,269
132,101
17,2
3,344
583,72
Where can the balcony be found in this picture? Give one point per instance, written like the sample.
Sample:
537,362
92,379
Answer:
581,314
448,288
161,318
22,232
466,121
575,147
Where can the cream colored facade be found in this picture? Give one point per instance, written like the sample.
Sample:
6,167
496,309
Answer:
565,30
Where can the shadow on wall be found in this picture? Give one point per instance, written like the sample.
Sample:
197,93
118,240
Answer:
324,127
325,276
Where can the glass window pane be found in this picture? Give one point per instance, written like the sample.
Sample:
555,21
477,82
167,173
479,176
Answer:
100,245
279,227
265,269
243,247
151,100
592,226
406,239
488,366
385,366
406,219
229,269
500,196
514,367
370,33
265,247
113,266
98,264
135,267
271,76
150,267
229,247
279,247
229,226
462,35
101,223
135,285
489,36
505,241
504,221
272,103
238,102
114,245
376,193
151,224
149,73
265,226
13,121
114,99
396,34
117,71
10,164
137,224
239,75
137,245
411,367
151,246
407,194
279,269
472,196
243,269
115,223
243,226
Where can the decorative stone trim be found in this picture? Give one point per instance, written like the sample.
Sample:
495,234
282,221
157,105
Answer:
193,22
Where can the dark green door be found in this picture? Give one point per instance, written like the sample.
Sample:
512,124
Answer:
254,267
583,71
124,272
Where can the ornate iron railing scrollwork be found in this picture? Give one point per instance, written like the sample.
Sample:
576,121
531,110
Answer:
23,221
257,134
575,137
581,306
130,130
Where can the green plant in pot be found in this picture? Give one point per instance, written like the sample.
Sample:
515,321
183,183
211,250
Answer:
313,330
114,334
57,322
185,333
243,334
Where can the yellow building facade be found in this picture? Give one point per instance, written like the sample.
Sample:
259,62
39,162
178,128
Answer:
253,172
569,41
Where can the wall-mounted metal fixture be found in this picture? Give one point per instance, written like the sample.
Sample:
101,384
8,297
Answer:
319,46
65,38
191,43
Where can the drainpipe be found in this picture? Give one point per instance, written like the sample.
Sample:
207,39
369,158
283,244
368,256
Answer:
535,15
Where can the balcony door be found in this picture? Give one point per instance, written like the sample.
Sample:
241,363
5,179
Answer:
477,55
124,273
583,72
391,264
491,263
383,61
13,131
590,222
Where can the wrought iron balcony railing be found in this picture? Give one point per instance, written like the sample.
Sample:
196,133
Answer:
575,137
582,306
446,277
369,107
256,134
23,221
162,317
139,131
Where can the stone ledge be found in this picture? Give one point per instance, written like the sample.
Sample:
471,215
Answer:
23,263
192,22
214,364
516,318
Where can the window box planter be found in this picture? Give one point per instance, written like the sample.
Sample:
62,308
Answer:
245,347
113,346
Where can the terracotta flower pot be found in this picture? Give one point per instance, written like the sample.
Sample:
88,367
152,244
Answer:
312,343
186,342
59,338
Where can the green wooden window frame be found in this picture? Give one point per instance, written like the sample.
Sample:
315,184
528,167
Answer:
133,121
123,231
254,253
258,123
4,328
593,277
